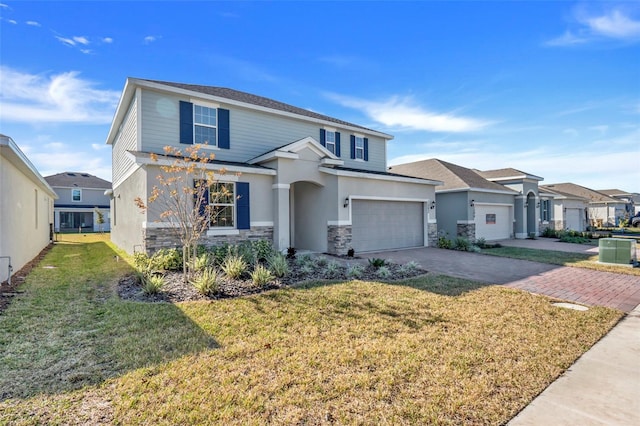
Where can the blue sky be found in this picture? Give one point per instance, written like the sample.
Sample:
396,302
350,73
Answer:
550,88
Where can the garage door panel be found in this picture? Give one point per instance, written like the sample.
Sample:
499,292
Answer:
573,219
493,222
382,225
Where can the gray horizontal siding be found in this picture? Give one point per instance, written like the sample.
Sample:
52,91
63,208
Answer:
90,197
253,133
125,141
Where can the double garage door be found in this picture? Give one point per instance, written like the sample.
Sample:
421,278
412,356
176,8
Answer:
493,222
383,225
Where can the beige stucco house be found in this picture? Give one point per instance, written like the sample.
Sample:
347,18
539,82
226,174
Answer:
298,178
26,209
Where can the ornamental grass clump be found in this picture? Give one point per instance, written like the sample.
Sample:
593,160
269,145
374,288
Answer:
409,268
332,269
234,266
279,265
207,281
355,271
383,272
261,276
152,284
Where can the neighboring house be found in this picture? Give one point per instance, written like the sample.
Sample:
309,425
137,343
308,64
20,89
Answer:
306,180
631,200
26,209
562,211
80,197
467,204
527,202
603,210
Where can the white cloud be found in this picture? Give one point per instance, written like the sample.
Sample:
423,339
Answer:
107,40
602,129
12,21
67,41
401,112
150,39
571,132
81,39
613,24
64,97
86,51
65,157
99,147
5,6
33,23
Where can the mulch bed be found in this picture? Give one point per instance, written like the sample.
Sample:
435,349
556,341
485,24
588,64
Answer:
176,290
7,292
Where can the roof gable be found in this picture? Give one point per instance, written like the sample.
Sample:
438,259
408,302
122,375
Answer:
77,180
507,174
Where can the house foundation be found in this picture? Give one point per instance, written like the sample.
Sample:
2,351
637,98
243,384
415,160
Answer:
155,239
339,239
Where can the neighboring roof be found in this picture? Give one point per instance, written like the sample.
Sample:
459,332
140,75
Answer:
77,180
349,171
232,96
453,176
547,189
581,191
615,193
507,174
10,150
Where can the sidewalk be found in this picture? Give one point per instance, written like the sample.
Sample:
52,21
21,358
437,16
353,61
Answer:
601,388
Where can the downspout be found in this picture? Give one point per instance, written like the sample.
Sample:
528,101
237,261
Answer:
9,269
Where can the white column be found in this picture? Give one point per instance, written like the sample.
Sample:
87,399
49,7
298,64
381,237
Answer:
281,232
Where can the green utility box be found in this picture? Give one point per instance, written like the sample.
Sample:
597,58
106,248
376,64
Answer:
617,250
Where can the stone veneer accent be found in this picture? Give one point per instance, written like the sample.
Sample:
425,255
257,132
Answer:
467,230
432,235
155,239
339,239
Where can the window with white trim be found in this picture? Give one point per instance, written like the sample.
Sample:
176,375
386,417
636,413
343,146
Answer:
330,141
205,125
76,195
544,210
359,148
222,205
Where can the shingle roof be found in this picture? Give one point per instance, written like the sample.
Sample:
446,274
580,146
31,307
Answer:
580,191
77,179
506,173
261,101
550,189
453,176
615,192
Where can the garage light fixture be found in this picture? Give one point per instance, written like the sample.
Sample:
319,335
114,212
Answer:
538,205
346,203
473,203
433,205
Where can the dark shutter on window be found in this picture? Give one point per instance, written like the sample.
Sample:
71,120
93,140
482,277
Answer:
202,208
366,149
323,137
337,144
353,147
224,137
186,122
242,205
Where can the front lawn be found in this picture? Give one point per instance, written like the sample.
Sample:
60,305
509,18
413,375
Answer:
580,260
427,350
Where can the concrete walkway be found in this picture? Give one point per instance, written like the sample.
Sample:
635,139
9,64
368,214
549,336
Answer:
603,386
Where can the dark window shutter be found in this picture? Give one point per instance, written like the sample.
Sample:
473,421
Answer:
353,147
242,205
323,137
202,208
366,149
337,144
224,136
186,122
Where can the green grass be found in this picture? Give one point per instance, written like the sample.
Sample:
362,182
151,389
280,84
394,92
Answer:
580,260
428,350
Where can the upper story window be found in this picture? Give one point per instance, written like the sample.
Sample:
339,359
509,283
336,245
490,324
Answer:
205,122
330,139
330,142
76,195
359,148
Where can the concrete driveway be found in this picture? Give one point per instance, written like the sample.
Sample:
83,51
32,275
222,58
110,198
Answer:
579,285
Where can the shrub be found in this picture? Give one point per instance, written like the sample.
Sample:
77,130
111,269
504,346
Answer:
167,260
219,253
461,244
234,266
444,243
355,271
376,262
550,233
321,261
279,265
245,250
261,276
291,253
409,268
152,284
383,272
207,281
305,259
141,261
332,269
306,270
201,262
481,242
263,249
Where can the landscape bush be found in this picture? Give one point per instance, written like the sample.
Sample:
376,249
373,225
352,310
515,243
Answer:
261,276
207,281
234,266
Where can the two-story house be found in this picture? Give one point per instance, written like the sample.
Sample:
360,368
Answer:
81,201
298,178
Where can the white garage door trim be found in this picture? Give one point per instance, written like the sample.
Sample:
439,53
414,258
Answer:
377,224
502,226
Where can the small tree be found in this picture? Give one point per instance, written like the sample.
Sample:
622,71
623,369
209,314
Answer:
182,198
100,219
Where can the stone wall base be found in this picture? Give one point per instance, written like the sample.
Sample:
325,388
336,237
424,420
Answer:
432,235
467,230
155,239
339,239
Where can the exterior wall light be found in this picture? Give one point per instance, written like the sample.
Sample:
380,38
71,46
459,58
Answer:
473,203
538,205
346,202
433,205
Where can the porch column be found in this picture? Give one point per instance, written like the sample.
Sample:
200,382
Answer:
281,231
